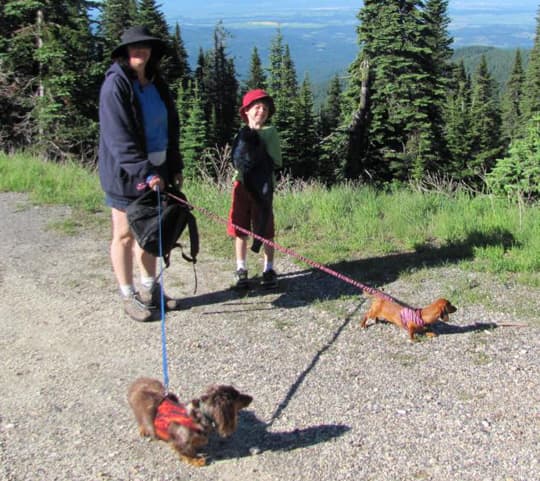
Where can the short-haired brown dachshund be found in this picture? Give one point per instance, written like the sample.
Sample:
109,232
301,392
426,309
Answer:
186,427
413,320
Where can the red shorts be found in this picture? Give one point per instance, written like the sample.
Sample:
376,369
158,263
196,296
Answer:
244,211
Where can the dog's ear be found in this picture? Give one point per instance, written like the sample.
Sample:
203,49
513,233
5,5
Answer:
244,400
450,308
444,315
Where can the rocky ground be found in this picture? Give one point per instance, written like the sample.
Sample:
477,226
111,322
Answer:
331,401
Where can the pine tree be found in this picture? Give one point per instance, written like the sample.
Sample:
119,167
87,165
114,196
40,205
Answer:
14,76
330,112
193,135
518,175
179,59
183,103
220,90
116,16
276,60
485,124
256,77
150,15
511,102
457,122
282,75
402,138
438,65
530,105
50,47
306,141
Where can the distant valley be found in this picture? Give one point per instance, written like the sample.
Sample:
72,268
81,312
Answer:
323,42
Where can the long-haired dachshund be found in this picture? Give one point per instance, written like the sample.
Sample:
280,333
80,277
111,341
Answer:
186,427
413,320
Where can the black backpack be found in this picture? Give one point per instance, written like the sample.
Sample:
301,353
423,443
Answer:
143,218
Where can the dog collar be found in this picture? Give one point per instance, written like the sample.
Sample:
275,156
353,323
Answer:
207,416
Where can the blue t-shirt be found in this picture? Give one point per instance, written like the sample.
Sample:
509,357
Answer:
154,115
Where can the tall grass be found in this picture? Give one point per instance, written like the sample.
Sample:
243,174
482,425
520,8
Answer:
51,183
345,222
354,222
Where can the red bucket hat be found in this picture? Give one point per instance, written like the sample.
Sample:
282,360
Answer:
251,97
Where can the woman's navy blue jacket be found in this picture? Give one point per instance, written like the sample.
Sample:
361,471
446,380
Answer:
123,162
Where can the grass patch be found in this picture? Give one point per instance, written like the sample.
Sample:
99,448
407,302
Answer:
396,232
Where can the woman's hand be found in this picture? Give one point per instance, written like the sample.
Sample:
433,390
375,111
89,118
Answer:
156,181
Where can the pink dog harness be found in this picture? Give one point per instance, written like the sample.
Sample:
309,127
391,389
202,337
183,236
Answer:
410,316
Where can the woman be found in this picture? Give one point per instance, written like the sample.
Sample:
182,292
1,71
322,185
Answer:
138,149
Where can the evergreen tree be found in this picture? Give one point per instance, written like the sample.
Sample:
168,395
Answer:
330,112
306,141
200,69
530,105
193,135
14,76
183,102
51,45
149,14
403,132
511,102
438,65
179,59
256,77
333,140
518,174
116,16
485,124
220,90
276,60
283,87
457,121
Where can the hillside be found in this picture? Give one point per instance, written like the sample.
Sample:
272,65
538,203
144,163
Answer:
324,50
500,61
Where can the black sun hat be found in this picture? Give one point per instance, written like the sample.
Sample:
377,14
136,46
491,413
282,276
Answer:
140,34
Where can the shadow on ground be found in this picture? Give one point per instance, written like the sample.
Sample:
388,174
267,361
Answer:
303,287
254,437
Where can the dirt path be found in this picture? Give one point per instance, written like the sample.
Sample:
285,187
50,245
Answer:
331,401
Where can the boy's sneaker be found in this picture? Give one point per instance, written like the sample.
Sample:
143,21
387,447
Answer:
241,279
269,279
135,308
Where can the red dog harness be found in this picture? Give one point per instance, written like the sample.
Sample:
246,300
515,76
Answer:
410,316
171,412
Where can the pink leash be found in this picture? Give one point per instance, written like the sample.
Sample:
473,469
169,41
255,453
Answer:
290,252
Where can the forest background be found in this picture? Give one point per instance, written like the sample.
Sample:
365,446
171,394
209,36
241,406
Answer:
406,108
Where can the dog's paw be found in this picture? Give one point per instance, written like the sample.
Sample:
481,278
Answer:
198,461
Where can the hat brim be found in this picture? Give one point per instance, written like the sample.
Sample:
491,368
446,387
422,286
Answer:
158,47
271,107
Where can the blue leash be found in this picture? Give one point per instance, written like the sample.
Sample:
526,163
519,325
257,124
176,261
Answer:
164,360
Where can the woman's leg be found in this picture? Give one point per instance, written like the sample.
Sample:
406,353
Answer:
122,250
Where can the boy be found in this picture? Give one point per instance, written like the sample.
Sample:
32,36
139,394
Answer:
256,154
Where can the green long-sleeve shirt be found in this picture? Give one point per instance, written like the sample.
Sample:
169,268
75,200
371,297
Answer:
269,135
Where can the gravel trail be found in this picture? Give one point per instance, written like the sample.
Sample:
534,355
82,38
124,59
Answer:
331,402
